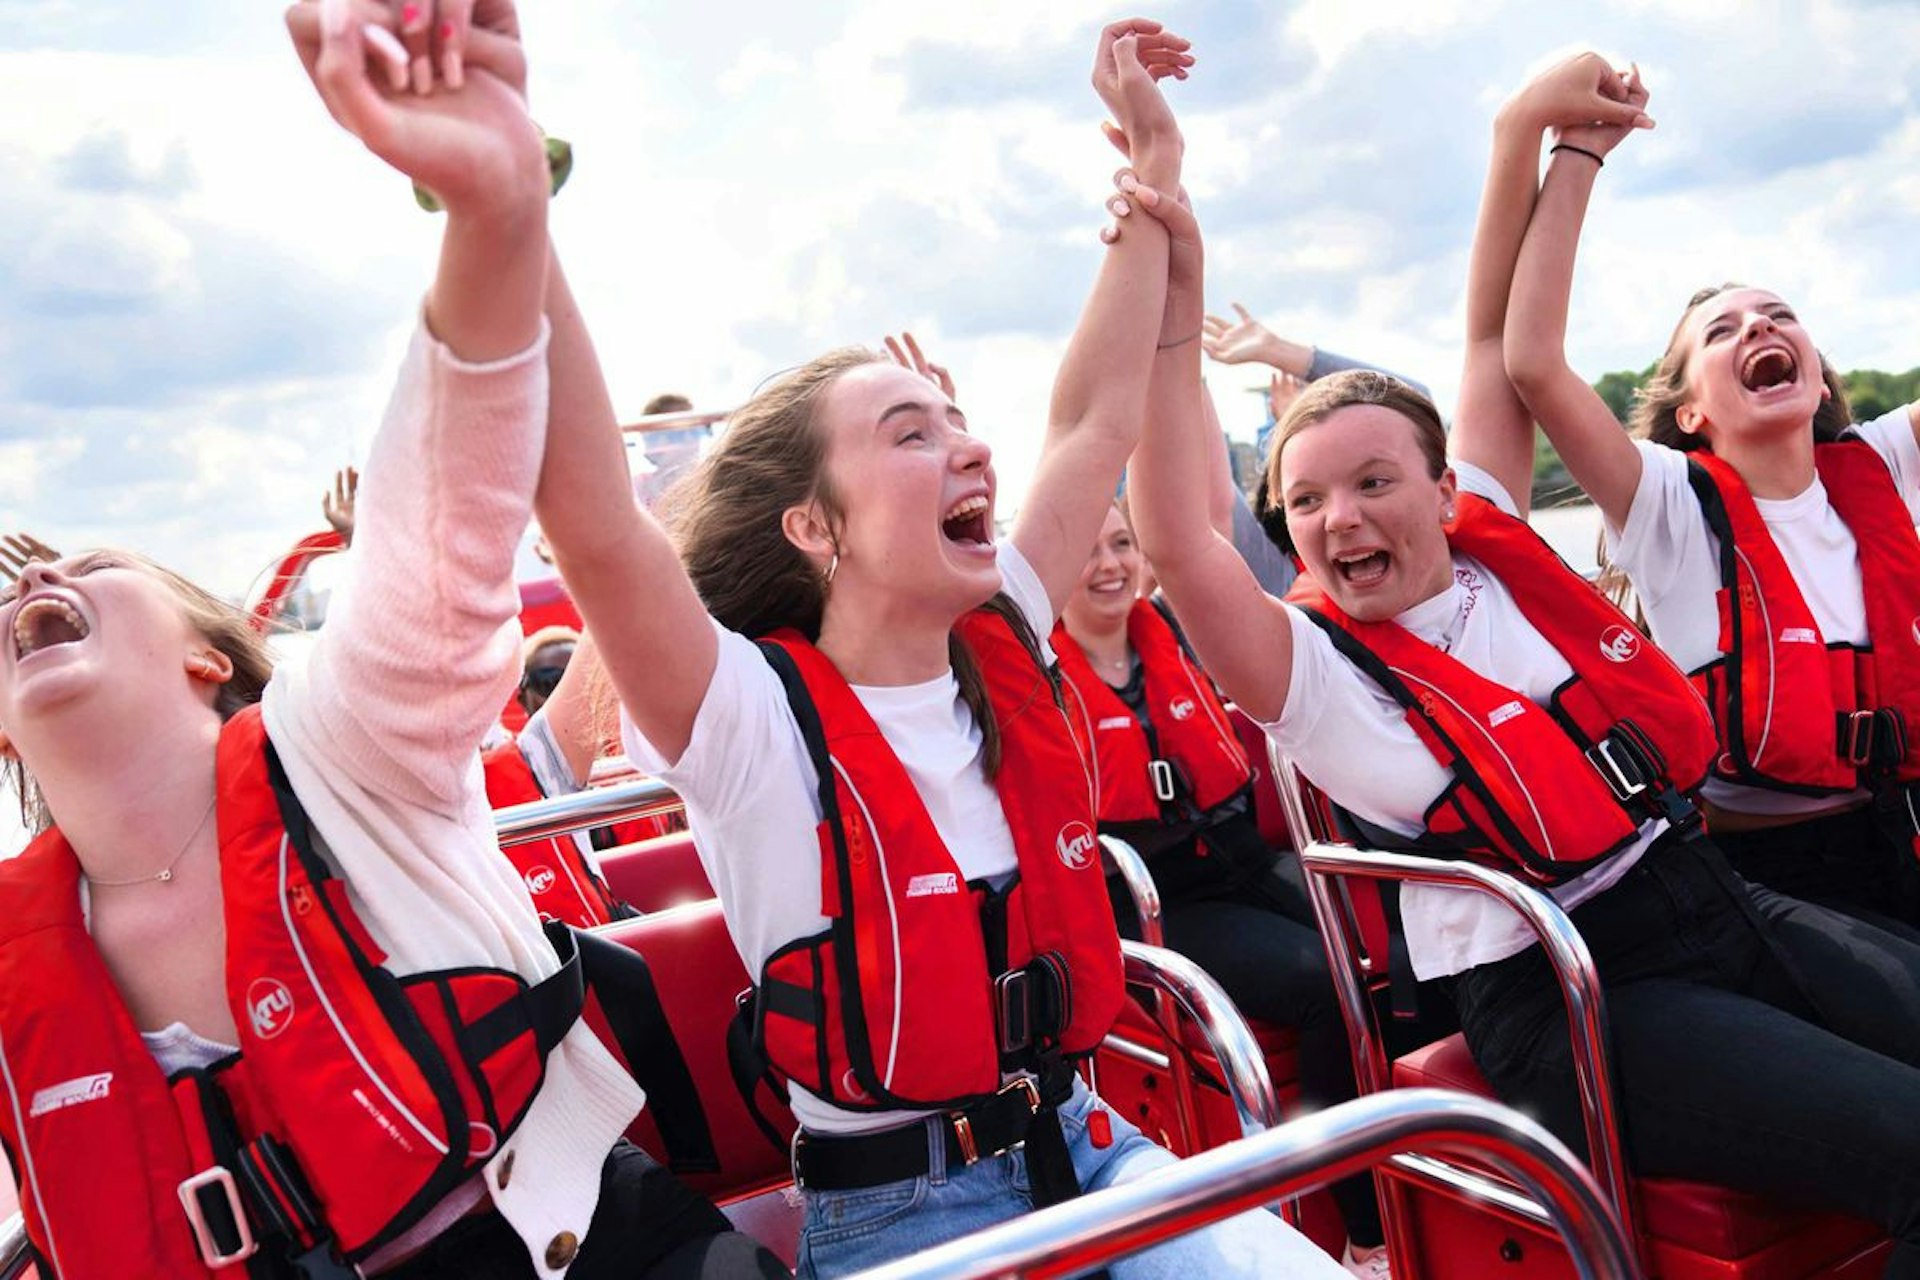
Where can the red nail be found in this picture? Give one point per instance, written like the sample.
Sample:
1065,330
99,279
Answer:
446,31
409,14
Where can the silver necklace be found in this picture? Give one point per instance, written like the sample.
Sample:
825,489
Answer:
164,874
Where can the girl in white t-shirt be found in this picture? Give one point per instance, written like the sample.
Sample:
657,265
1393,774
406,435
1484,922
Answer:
1746,1046
1729,516
849,509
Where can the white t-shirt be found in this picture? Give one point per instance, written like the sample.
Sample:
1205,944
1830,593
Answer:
752,798
1674,563
1351,738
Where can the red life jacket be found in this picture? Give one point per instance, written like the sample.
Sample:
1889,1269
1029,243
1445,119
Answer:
1551,791
1191,752
561,880
894,1006
1795,713
356,1074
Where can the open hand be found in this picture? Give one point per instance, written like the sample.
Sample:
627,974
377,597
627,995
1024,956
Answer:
18,550
336,504
911,357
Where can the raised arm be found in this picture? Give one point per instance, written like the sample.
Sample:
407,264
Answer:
1246,341
655,639
1220,486
1597,452
1241,634
429,607
1099,395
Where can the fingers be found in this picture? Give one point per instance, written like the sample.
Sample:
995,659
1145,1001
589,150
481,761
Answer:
919,360
1245,316
450,40
340,73
1118,137
896,351
414,20
374,19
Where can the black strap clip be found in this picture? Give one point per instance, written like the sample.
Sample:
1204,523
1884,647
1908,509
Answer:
217,1217
1162,775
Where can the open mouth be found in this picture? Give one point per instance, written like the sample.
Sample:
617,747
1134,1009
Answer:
45,622
1362,569
967,524
1768,368
1110,587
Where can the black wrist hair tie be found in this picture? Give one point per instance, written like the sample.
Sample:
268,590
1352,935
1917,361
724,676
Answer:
1580,151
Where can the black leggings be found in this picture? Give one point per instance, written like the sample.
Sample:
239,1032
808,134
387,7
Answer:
648,1226
1759,1042
1846,861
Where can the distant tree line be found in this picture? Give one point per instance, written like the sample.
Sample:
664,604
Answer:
1871,392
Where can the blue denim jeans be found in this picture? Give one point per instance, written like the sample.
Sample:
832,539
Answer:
847,1231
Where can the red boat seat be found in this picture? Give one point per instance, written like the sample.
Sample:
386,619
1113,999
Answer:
699,976
1695,1217
657,874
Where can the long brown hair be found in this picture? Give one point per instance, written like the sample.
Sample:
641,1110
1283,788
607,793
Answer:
1656,405
726,515
227,628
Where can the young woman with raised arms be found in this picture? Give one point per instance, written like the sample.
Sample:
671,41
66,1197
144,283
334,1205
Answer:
268,982
886,792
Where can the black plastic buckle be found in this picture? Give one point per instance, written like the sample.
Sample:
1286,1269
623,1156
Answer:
213,1252
1856,738
1013,1010
1621,766
1161,772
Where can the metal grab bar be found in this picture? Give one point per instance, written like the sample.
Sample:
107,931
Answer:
593,807
1572,965
14,1246
1104,1225
1243,1067
1566,951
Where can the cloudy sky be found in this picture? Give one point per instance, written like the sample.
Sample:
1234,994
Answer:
204,286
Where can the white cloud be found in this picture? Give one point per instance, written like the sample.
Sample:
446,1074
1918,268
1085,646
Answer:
204,284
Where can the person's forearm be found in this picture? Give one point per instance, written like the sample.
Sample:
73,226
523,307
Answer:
1506,207
485,300
1536,327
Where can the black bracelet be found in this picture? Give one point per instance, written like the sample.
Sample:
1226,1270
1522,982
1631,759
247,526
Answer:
1579,151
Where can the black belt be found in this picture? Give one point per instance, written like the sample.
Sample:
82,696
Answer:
988,1128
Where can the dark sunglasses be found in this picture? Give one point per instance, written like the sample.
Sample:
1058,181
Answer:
541,680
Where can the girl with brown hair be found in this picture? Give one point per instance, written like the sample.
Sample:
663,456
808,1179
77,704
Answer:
886,792
1772,548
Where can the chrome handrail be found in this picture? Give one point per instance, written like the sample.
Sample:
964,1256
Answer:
1243,1067
593,807
15,1251
1566,951
1097,1228
1147,914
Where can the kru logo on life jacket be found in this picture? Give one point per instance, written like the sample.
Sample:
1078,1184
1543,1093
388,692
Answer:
269,1007
1181,708
564,885
1619,643
1075,845
540,879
